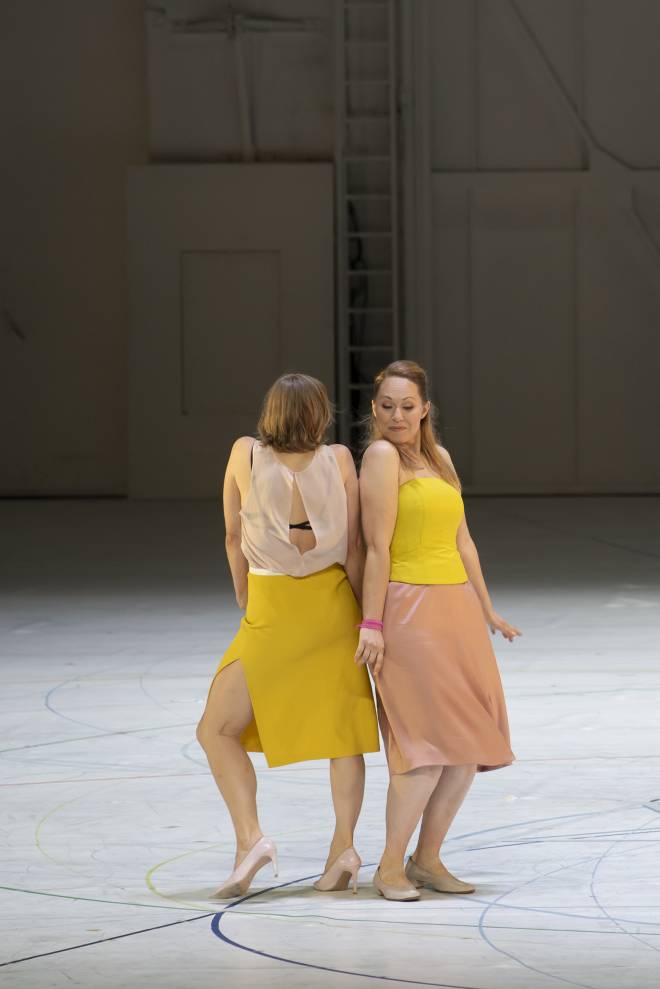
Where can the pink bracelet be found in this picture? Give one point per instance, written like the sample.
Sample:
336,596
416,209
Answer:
371,623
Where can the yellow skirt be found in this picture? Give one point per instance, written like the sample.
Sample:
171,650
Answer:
296,644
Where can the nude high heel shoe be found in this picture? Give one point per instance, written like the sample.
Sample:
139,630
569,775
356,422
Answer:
343,870
394,892
442,884
263,851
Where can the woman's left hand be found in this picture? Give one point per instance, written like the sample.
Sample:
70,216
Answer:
497,624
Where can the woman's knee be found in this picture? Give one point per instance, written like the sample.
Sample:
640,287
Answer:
223,728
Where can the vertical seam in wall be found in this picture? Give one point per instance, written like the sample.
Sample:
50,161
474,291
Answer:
280,335
580,31
425,259
183,405
469,288
476,93
576,332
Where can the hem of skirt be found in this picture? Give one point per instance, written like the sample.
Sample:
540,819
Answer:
289,760
481,767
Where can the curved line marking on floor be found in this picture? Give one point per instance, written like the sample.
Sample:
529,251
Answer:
592,888
496,903
481,926
217,919
102,734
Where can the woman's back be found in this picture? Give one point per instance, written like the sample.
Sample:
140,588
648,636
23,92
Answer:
278,496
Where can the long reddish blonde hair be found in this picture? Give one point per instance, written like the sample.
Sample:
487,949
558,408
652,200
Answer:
429,437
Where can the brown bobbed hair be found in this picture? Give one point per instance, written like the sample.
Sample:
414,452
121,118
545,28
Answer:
296,414
429,435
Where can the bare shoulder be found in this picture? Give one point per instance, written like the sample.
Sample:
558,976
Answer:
242,444
344,458
240,450
381,453
380,463
341,452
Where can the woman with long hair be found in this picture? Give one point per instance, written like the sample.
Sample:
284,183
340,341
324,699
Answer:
424,636
288,685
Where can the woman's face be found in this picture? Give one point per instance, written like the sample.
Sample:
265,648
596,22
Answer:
399,409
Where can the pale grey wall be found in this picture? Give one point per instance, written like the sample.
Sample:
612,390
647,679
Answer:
544,197
540,162
73,113
89,88
270,72
231,276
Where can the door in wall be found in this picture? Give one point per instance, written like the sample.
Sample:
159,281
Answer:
231,284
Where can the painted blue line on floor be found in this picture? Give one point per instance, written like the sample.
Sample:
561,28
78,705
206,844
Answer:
217,920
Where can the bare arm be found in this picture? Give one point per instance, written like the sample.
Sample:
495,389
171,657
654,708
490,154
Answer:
231,500
470,557
355,554
379,489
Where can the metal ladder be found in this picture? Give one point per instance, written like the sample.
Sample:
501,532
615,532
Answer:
366,203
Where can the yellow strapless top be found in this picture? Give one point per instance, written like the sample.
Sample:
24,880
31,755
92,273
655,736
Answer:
423,548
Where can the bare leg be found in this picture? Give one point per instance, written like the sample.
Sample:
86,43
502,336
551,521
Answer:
228,712
443,805
347,785
407,796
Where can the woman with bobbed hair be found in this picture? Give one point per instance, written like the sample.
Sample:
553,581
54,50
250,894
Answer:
287,684
440,701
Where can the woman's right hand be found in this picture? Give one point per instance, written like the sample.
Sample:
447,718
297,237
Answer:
370,650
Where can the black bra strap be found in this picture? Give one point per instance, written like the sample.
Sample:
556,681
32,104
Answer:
252,454
301,525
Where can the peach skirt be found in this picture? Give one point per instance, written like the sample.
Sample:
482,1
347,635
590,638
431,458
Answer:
440,698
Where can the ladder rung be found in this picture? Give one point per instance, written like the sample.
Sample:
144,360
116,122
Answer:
377,196
360,118
368,272
375,310
370,233
372,347
367,43
355,158
367,82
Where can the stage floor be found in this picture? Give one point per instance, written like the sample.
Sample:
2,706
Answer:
114,617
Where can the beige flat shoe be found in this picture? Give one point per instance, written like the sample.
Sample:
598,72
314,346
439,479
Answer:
441,883
394,892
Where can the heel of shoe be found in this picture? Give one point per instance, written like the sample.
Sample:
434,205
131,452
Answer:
334,878
273,859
